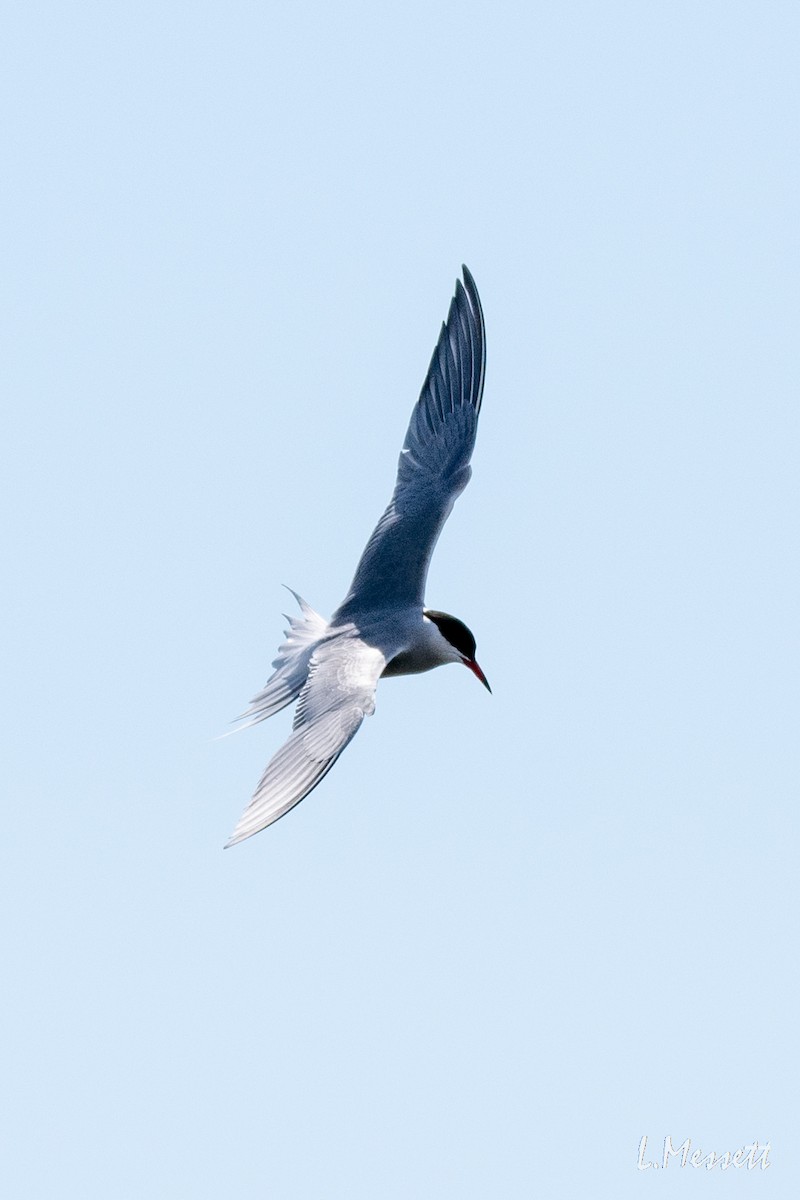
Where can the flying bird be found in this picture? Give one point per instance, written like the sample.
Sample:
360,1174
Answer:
382,626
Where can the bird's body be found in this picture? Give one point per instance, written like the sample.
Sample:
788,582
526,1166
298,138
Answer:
381,628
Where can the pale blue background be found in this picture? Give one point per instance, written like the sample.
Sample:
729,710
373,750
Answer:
508,935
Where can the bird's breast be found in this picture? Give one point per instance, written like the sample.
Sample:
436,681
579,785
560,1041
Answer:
410,662
424,649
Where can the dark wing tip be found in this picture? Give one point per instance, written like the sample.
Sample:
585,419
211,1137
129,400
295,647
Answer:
472,292
453,385
458,365
470,303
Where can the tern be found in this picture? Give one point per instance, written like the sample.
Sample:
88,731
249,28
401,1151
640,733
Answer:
382,627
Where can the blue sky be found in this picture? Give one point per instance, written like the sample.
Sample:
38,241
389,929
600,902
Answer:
510,934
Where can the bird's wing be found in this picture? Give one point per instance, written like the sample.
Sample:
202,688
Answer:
434,464
338,694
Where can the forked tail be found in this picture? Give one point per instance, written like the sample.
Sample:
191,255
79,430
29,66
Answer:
291,665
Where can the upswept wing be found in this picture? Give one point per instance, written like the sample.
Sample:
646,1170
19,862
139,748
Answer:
339,693
433,468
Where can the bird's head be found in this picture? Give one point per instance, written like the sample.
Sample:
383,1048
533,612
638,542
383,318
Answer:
460,641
